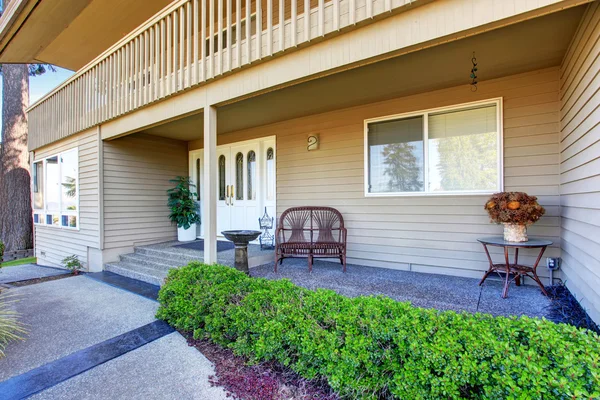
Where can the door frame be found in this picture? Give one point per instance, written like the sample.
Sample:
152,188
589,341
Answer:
263,145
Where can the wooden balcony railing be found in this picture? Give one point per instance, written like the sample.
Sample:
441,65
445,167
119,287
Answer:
182,47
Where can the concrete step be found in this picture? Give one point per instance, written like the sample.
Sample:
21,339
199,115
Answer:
173,257
158,263
136,271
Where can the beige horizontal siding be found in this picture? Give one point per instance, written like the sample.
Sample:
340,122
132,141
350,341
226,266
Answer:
53,244
580,163
137,169
429,234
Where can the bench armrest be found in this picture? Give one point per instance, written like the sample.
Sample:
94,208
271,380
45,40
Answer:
344,233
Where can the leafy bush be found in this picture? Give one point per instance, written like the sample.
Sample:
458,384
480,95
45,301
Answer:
10,327
181,202
2,251
73,264
375,347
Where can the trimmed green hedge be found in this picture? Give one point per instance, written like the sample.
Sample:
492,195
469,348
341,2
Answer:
375,347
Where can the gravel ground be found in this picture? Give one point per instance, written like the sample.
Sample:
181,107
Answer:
441,292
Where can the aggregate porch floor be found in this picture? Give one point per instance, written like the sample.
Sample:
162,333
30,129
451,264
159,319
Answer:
422,290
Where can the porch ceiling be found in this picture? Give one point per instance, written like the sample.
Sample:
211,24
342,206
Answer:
70,33
534,44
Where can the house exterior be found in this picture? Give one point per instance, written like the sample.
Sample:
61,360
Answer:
367,106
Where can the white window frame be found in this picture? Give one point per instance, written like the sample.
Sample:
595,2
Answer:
43,212
498,101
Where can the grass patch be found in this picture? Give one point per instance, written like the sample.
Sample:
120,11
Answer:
21,261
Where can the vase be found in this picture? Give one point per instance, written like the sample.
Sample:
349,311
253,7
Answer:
515,233
186,235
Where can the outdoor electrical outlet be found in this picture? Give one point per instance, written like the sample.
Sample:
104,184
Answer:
552,263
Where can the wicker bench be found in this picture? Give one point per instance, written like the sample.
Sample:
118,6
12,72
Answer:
311,232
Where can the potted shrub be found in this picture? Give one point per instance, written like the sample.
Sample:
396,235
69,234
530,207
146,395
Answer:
516,210
184,209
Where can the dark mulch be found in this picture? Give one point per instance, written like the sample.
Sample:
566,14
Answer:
40,280
266,381
566,309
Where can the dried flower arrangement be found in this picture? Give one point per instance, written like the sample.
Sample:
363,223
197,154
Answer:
514,208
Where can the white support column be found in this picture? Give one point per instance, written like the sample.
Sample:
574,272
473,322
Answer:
209,212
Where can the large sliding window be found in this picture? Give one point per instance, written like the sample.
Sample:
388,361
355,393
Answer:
56,190
454,150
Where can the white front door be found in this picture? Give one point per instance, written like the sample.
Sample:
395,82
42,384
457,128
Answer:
245,183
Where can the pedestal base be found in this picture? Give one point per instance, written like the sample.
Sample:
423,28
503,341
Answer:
241,258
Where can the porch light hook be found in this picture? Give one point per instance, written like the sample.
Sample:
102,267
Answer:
473,75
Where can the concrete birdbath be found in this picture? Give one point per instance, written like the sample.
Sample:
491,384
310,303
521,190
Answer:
241,239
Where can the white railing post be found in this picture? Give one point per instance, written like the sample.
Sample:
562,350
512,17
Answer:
306,20
321,17
238,32
220,37
248,32
188,49
269,27
258,30
211,37
281,25
182,51
293,27
229,40
336,15
195,72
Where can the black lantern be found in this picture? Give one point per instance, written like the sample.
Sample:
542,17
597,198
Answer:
267,240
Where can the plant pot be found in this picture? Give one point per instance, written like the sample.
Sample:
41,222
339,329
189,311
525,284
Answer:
186,235
515,233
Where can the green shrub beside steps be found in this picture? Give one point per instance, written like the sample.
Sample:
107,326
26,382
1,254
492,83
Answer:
375,347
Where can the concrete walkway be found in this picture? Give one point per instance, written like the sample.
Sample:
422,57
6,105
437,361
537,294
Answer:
78,318
28,271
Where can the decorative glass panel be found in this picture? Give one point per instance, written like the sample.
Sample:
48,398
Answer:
38,185
198,177
221,177
463,150
251,175
270,174
396,160
239,176
53,185
69,174
52,219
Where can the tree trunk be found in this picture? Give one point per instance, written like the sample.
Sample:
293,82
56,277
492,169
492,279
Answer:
16,222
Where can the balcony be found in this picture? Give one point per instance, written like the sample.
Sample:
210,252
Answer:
189,43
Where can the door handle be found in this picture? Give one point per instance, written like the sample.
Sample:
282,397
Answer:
227,195
231,195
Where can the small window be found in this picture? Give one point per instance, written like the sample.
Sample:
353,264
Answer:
222,177
53,184
68,173
38,185
396,156
198,172
239,176
449,151
251,175
215,38
270,174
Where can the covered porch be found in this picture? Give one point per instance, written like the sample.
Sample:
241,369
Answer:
388,236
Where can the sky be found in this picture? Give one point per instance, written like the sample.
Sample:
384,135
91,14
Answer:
40,85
